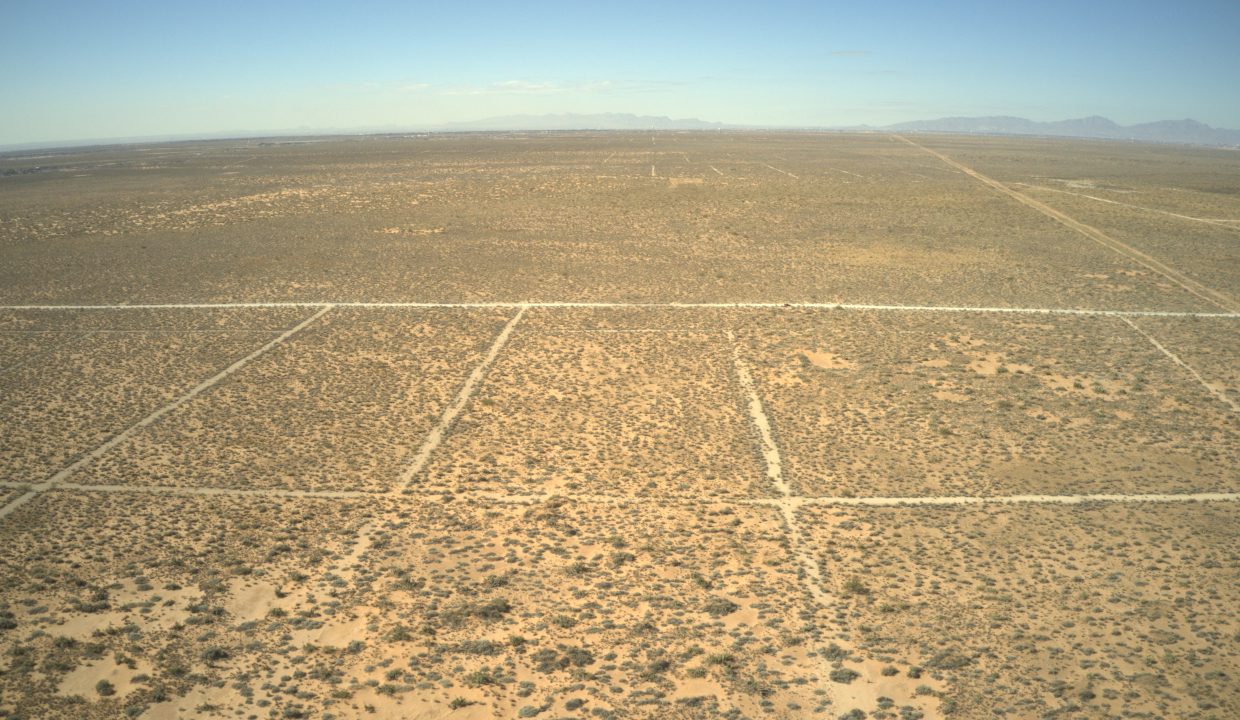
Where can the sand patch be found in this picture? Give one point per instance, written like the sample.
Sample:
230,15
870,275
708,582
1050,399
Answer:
335,633
84,680
826,360
1082,385
410,231
993,363
151,610
191,702
366,703
986,363
865,691
950,396
248,600
699,687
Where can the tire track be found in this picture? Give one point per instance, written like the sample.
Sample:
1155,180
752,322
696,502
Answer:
775,473
741,305
1214,297
1229,224
178,402
1209,388
450,413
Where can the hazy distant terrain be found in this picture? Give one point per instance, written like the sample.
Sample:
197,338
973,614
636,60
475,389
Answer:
635,424
1188,132
576,121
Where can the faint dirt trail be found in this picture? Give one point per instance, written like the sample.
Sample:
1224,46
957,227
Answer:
437,433
738,305
790,502
215,491
794,177
593,498
1229,224
1209,388
17,502
1017,499
61,475
847,172
775,473
346,567
1214,297
812,580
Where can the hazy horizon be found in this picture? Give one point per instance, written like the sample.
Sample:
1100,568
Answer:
77,72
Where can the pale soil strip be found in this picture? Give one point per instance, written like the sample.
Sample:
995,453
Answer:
17,502
652,173
145,331
593,331
1209,388
796,501
847,172
812,580
450,413
1210,295
178,402
775,472
1009,499
214,491
717,171
757,414
1213,221
794,177
530,498
347,566
535,304
609,157
688,500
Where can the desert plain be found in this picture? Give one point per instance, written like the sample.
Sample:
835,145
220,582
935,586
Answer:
620,425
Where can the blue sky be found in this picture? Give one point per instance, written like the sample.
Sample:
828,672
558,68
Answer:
79,70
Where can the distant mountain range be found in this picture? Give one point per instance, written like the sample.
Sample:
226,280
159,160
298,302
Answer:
1166,131
1188,132
576,121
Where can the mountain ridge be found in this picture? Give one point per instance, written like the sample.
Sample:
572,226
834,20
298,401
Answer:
1186,131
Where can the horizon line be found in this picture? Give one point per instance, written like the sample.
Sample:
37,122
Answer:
452,128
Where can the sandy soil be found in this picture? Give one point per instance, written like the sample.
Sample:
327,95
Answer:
1021,504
